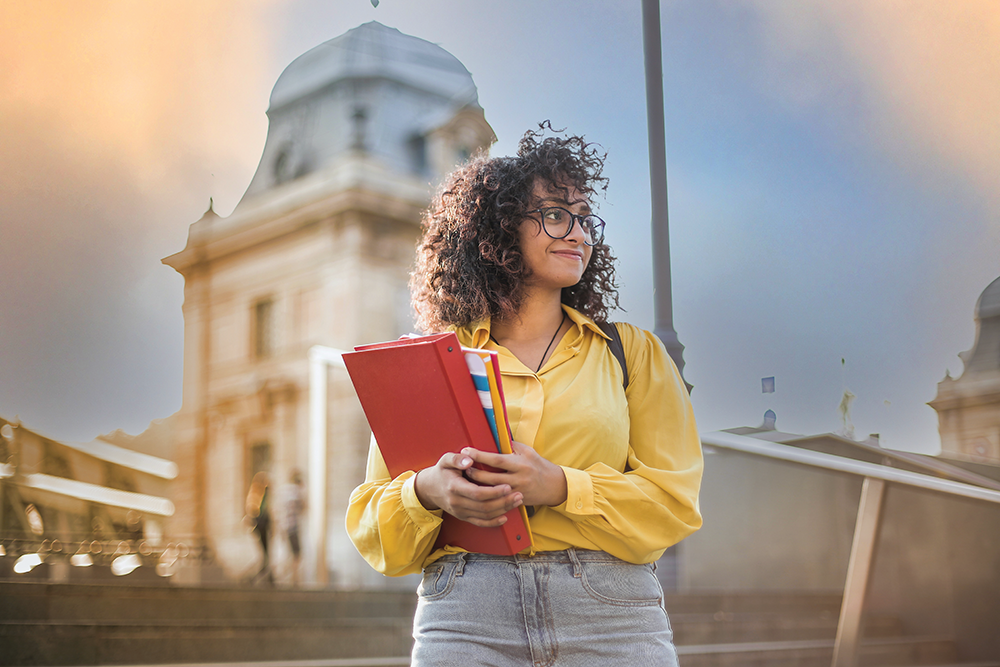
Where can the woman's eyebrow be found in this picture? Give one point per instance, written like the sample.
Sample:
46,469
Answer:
566,204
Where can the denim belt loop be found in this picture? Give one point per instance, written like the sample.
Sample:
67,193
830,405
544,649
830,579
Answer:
577,568
460,566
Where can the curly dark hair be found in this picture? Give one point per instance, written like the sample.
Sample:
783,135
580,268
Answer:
469,262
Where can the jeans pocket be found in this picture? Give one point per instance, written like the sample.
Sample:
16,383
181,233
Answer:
621,584
438,579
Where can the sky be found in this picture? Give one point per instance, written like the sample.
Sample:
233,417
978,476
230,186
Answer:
833,174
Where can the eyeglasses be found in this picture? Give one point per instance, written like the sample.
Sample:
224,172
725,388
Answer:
558,223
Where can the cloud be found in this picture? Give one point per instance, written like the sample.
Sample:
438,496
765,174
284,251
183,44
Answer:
115,118
928,73
146,83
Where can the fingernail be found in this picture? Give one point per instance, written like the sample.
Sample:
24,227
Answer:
503,520
518,502
466,461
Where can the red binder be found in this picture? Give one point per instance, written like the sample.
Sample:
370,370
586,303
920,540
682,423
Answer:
420,402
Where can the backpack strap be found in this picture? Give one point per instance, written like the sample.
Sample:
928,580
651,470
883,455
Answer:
616,347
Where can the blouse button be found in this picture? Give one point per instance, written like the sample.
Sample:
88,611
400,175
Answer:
579,504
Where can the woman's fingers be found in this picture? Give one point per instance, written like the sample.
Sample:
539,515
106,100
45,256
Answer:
540,481
432,485
488,523
521,448
491,459
455,461
488,512
503,461
491,479
483,500
445,486
512,466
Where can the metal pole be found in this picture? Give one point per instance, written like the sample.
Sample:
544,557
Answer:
859,569
662,295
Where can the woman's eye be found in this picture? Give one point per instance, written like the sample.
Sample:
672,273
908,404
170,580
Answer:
554,214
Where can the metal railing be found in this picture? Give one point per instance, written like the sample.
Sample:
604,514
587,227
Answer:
859,568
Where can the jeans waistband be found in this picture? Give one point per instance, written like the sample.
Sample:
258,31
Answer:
571,555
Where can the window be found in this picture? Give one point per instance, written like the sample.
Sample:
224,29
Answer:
258,460
263,329
418,154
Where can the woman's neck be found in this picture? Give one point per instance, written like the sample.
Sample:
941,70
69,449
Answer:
537,317
533,335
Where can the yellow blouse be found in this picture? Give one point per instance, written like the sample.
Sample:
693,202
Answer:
632,459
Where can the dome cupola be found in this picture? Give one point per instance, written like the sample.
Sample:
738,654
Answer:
376,92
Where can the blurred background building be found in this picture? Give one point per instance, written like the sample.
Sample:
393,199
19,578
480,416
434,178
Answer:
66,507
969,407
318,252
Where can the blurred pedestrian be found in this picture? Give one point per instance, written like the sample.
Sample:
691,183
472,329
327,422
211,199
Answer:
293,505
258,513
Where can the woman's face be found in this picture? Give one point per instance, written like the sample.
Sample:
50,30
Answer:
554,263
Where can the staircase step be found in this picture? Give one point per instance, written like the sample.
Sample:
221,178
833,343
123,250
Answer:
93,644
725,627
710,602
886,651
94,602
905,651
403,661
804,653
89,624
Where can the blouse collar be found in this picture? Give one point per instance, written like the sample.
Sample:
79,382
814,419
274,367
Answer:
477,334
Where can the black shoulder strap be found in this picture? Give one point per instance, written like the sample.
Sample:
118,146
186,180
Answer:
616,347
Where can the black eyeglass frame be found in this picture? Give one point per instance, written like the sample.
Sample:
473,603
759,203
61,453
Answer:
598,230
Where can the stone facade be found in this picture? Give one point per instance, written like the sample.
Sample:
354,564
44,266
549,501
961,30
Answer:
318,252
968,407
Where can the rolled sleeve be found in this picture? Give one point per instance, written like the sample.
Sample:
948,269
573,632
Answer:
421,517
386,522
579,494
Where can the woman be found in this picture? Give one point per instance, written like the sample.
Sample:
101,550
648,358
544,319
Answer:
512,259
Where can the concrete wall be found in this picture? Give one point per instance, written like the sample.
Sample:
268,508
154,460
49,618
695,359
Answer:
937,567
770,526
773,526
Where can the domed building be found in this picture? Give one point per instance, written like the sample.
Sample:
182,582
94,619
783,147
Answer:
968,407
405,103
316,255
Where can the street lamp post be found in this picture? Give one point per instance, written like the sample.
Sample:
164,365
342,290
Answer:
662,294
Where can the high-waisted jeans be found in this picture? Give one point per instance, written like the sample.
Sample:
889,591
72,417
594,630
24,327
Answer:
555,609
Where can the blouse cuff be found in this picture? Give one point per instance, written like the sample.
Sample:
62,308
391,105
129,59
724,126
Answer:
423,518
579,493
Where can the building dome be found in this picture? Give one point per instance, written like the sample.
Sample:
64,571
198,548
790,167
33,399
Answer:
375,51
984,357
399,100
989,301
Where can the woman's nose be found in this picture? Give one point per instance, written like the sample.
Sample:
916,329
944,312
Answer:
576,231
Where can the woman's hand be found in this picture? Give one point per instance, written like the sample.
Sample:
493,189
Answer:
444,486
538,480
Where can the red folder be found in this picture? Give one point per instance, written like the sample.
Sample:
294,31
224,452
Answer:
420,402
